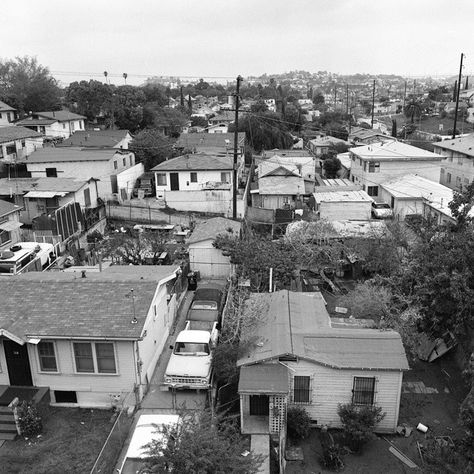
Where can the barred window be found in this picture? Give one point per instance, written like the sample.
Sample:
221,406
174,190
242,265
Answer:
363,392
301,389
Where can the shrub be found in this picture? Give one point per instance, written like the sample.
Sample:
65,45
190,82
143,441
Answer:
298,423
30,421
332,452
358,423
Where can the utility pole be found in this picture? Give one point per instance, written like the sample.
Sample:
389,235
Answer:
373,105
236,145
335,96
457,97
347,99
404,102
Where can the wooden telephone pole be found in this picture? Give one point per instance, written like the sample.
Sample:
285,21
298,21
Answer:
236,148
373,105
458,90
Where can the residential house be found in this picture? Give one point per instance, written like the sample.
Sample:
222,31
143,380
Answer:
92,340
296,358
299,159
366,136
211,143
99,139
337,203
58,123
345,159
322,145
457,161
203,256
197,182
7,114
377,163
16,143
114,169
220,123
9,224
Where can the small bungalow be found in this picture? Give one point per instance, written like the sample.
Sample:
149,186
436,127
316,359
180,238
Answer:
57,123
9,224
211,143
203,256
99,139
92,339
339,204
7,114
296,358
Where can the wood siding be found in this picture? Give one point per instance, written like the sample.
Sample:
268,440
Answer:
208,260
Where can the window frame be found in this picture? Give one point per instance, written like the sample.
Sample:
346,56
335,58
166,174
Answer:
51,172
193,177
303,392
370,191
164,182
374,166
225,175
95,364
358,394
40,357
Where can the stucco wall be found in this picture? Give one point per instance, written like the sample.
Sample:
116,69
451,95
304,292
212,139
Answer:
185,183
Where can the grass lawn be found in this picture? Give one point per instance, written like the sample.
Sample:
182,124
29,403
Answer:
71,440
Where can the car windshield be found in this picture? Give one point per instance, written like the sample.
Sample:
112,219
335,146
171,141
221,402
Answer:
194,348
381,206
204,305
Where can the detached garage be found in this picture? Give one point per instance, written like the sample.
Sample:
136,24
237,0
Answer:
203,256
335,205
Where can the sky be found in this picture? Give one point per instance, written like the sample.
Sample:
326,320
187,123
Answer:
224,38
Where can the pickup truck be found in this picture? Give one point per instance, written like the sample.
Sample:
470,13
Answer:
203,314
190,364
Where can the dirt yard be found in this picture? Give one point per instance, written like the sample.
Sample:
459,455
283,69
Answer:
431,395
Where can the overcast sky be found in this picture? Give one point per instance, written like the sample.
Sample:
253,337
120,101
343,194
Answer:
206,38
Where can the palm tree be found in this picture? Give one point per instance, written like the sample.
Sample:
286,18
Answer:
125,75
106,74
413,109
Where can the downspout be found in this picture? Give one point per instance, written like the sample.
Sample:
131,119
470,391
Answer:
136,359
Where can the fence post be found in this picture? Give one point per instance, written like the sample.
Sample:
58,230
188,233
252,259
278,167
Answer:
130,210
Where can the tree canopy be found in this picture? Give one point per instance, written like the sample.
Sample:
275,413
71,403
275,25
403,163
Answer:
28,86
151,147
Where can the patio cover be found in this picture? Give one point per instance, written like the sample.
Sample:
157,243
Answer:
10,225
44,194
263,378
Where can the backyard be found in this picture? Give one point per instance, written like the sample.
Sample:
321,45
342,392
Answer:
70,442
431,394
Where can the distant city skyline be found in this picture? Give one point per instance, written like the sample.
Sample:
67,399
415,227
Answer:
212,39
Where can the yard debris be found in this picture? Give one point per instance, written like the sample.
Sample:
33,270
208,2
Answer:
421,427
404,430
294,453
445,441
442,370
398,454
419,446
245,453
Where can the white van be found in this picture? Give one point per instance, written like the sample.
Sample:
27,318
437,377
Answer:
14,260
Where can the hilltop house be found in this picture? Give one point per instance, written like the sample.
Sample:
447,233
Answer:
296,358
7,114
211,143
9,224
374,164
58,123
115,170
197,182
92,341
99,139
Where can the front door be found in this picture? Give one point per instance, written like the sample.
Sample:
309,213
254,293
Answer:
259,405
174,181
18,363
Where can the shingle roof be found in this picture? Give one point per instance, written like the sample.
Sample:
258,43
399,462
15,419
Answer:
7,134
414,186
298,324
393,151
462,145
60,115
95,306
7,208
23,185
40,121
54,155
281,185
208,140
211,228
196,162
95,138
5,107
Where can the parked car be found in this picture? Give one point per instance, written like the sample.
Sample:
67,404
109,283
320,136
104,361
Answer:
380,210
145,183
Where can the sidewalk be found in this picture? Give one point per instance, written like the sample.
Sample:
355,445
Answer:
260,444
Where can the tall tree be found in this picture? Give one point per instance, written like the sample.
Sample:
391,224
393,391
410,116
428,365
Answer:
151,147
28,86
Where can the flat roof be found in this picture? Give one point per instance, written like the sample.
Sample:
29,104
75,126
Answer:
342,196
65,154
263,378
394,151
414,186
463,145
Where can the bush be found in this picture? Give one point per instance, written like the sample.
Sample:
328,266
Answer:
29,419
332,452
358,423
298,423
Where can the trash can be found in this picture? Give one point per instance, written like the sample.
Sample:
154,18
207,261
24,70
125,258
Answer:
192,281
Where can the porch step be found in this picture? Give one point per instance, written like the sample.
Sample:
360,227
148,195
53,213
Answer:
7,428
10,436
7,418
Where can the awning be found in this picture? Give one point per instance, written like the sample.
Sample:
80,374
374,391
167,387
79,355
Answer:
43,194
9,226
263,378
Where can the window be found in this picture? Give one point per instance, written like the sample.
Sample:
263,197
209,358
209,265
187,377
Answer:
10,149
98,357
87,197
161,179
194,177
4,237
23,143
353,157
460,160
442,170
64,125
365,165
363,392
448,177
115,164
373,190
374,167
131,162
124,160
225,177
360,161
301,389
458,181
51,173
47,357
64,396
9,116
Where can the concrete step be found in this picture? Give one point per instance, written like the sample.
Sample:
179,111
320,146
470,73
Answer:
7,418
7,428
8,436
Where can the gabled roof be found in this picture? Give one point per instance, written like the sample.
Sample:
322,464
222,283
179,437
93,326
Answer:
65,305
412,186
39,121
20,186
463,145
95,138
8,134
223,116
7,208
196,162
60,115
5,107
54,155
211,228
208,140
298,324
394,151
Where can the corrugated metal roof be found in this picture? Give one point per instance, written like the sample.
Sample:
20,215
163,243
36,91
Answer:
54,155
342,196
263,378
24,185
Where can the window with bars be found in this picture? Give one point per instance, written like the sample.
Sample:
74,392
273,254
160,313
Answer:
301,389
363,392
47,357
374,167
193,177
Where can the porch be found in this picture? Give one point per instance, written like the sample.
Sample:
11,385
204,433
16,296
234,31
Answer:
37,395
263,391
